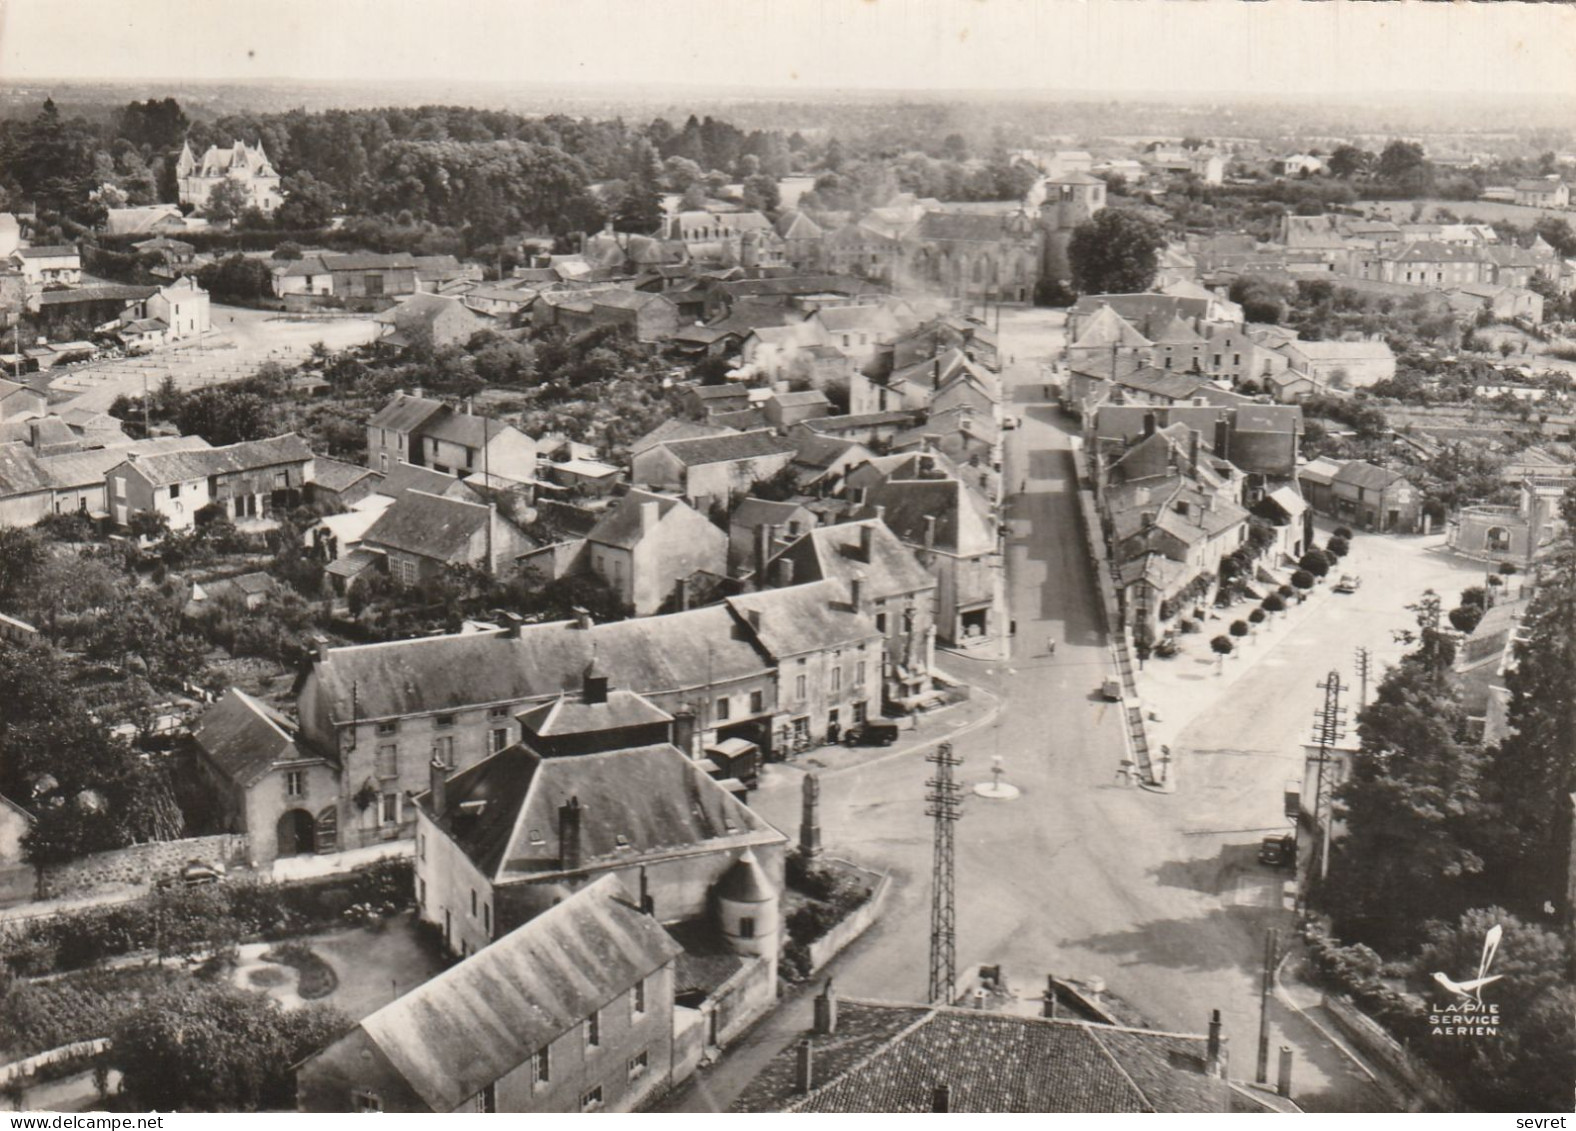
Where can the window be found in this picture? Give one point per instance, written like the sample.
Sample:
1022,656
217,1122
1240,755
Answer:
542,1067
637,998
591,1099
757,702
881,621
175,490
473,903
801,686
747,927
443,720
1236,359
487,917
498,712
391,808
594,1029
390,726
408,573
295,783
837,679
500,739
281,478
421,892
365,1101
120,487
722,708
859,674
638,1064
861,712
387,762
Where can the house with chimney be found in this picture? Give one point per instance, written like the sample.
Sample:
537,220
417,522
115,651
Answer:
1363,494
245,481
900,594
646,546
423,535
712,470
428,433
51,266
757,528
575,1010
861,1056
504,841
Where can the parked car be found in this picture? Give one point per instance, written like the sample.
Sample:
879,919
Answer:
1278,851
1348,583
1010,421
735,759
194,874
872,732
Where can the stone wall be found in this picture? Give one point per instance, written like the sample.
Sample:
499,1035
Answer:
829,945
1421,1083
139,864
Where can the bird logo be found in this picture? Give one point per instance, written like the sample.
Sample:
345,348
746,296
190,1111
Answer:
1472,989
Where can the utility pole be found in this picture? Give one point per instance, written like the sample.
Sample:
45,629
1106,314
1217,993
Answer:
944,802
1266,990
1328,729
1365,661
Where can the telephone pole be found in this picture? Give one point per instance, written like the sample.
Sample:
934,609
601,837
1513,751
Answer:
1329,727
1266,990
944,802
1365,661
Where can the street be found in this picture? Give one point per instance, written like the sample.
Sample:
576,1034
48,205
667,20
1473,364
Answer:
1157,895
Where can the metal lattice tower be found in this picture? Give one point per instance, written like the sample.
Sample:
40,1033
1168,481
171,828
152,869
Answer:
944,802
1329,727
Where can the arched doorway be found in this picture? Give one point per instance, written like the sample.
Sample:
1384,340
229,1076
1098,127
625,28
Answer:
295,832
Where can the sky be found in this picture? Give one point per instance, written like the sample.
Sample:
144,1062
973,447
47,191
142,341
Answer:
1290,47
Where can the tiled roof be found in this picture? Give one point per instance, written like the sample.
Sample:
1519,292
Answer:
429,526
480,1020
405,413
87,469
337,475
249,455
911,504
725,449
369,261
804,618
465,429
834,553
639,802
1359,473
1105,327
571,714
859,421
651,655
245,738
890,1058
623,524
409,477
676,429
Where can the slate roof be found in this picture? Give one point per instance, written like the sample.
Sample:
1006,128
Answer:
184,465
752,512
369,261
621,524
832,553
652,655
677,429
725,449
105,292
409,477
466,429
245,739
337,475
1432,251
569,714
960,527
20,473
478,1021
87,469
970,226
857,421
800,398
804,618
405,413
654,799
1358,473
889,1058
428,526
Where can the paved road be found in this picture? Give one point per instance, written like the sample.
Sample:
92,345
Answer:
1080,876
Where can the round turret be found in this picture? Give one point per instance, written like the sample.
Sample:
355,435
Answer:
748,908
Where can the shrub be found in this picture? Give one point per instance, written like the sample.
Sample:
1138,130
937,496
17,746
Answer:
1302,579
1274,603
1340,547
1344,532
1239,628
1257,616
1286,591
1465,618
1507,568
1313,562
317,977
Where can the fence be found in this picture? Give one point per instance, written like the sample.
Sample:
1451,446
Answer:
139,863
831,944
1372,1039
22,1071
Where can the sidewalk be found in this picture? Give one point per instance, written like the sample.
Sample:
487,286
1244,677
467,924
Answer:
1193,681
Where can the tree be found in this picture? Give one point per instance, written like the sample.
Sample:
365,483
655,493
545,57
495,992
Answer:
761,193
1117,252
1347,161
1315,563
217,1048
226,200
1274,603
640,208
1302,579
1239,628
224,414
158,124
308,202
1400,158
1222,647
1338,546
1465,618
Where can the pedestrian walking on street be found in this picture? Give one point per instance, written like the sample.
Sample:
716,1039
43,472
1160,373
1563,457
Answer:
1050,646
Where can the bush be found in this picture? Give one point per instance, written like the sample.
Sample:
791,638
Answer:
317,977
1344,532
1257,616
1286,591
1302,579
1507,568
1313,562
1274,603
1465,618
1340,547
1239,628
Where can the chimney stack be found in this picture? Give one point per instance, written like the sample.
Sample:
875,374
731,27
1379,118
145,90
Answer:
856,591
438,784
1149,424
648,906
511,625
1215,1065
867,539
684,731
826,1011
763,552
682,586
930,531
583,619
941,1099
320,647
804,1067
1050,1000
1222,439
1192,450
569,843
593,684
650,515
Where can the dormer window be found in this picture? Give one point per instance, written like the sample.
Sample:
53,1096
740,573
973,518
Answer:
622,840
535,837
